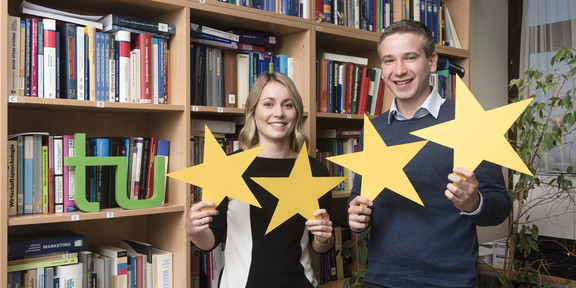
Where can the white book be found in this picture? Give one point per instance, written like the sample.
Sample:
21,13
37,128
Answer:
40,277
98,268
49,58
304,5
69,275
214,32
44,12
122,39
120,264
162,269
243,62
451,36
377,78
290,68
80,61
356,14
58,174
14,56
344,58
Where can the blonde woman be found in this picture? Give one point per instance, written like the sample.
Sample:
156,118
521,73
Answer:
274,118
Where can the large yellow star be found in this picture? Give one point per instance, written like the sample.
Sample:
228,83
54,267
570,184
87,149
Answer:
298,193
220,175
381,166
476,134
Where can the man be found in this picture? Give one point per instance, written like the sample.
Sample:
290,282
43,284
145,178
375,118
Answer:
435,245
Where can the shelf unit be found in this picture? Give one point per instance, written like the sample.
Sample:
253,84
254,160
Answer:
302,39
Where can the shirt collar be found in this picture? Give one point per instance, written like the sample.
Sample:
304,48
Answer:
430,106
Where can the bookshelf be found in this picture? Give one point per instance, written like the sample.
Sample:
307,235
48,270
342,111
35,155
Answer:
302,39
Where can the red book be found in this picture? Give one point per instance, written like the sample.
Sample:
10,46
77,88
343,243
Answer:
323,85
150,179
379,98
363,96
144,43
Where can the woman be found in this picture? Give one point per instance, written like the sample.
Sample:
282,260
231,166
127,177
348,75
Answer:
274,118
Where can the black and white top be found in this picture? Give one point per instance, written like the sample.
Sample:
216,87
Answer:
255,259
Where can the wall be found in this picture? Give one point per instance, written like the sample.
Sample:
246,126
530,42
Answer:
489,70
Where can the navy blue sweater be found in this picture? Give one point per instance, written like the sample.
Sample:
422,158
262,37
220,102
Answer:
435,245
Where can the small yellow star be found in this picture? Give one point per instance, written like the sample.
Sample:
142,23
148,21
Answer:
298,193
476,134
220,175
381,166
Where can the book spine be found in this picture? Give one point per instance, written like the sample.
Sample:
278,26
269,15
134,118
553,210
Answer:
34,58
68,61
90,33
12,176
42,264
80,64
14,56
122,39
68,174
58,174
154,71
44,179
144,42
40,59
49,28
20,174
22,67
111,48
138,23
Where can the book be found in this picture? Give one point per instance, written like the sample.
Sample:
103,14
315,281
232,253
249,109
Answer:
338,133
12,156
31,244
163,149
53,259
243,65
162,268
230,78
68,61
255,38
80,64
110,20
344,58
445,64
98,269
146,250
214,32
69,275
85,257
45,12
90,69
214,43
120,263
33,57
23,57
14,56
149,183
68,173
49,28
144,44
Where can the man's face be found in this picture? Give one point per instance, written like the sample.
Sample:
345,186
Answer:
405,68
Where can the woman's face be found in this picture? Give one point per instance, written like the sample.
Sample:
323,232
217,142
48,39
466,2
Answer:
275,114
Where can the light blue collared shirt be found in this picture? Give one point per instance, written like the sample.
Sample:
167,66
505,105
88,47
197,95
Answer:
431,106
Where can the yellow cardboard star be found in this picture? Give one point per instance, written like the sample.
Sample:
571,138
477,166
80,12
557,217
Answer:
381,165
220,175
298,193
476,134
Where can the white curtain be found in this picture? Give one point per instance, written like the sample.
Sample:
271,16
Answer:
546,25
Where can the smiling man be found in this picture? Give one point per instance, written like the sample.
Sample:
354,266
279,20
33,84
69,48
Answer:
434,245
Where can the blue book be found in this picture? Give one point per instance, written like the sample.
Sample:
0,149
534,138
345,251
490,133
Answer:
110,20
163,149
101,148
68,84
30,244
283,63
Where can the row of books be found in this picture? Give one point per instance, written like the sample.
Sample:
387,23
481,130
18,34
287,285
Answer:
435,14
347,86
60,259
297,8
328,147
226,63
344,259
126,60
206,266
39,182
369,15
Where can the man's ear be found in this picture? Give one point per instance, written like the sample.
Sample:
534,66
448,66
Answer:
433,60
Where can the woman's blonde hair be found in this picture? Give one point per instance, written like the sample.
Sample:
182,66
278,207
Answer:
248,136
